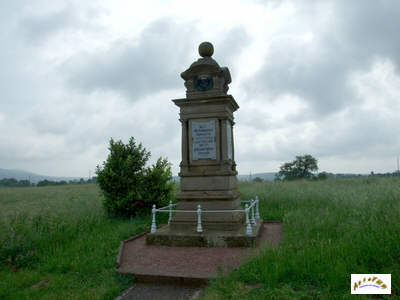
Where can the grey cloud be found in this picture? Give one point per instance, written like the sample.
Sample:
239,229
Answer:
9,13
229,47
37,29
135,68
319,80
353,135
362,133
152,63
39,26
371,27
53,129
358,33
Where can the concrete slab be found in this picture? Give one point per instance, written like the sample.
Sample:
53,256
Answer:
187,265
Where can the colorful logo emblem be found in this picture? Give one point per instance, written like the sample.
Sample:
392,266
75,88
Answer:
371,283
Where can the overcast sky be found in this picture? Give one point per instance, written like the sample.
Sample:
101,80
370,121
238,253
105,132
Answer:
310,77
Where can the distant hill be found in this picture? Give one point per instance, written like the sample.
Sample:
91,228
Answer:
32,177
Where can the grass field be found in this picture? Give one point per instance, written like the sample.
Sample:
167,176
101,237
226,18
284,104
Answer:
331,229
56,243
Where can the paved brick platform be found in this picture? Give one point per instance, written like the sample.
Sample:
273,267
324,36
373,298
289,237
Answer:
151,263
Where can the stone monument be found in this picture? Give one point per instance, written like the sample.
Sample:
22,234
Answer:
208,168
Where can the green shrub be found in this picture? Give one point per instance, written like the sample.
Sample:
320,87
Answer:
129,188
158,185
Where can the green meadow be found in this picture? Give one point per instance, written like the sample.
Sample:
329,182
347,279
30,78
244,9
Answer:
56,242
332,229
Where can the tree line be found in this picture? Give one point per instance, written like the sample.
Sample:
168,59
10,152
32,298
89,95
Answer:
12,182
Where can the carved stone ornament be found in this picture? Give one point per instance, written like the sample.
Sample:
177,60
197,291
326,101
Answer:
205,78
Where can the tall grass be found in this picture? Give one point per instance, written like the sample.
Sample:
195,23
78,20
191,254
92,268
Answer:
56,243
332,229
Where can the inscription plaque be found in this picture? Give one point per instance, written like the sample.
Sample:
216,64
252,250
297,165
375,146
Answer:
203,135
229,138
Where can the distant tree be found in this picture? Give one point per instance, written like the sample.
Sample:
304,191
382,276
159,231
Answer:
5,182
258,179
44,182
12,182
129,188
322,176
24,183
301,168
92,179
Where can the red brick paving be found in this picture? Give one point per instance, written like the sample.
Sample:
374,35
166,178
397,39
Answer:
187,263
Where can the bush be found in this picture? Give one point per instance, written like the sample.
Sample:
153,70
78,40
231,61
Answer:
158,185
129,188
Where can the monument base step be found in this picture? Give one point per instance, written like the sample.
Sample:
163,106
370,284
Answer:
188,237
207,226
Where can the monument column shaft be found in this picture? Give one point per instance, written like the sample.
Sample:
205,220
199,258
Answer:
233,145
185,156
224,140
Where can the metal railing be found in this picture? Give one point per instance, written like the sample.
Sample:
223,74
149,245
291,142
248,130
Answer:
251,210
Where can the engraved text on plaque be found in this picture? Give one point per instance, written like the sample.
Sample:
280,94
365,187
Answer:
204,144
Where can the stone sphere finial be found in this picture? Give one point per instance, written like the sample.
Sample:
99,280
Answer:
206,49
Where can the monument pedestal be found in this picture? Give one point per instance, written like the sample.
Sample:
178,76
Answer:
208,172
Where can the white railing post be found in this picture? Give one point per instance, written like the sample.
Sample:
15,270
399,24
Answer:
257,211
170,212
249,231
199,227
252,220
153,222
